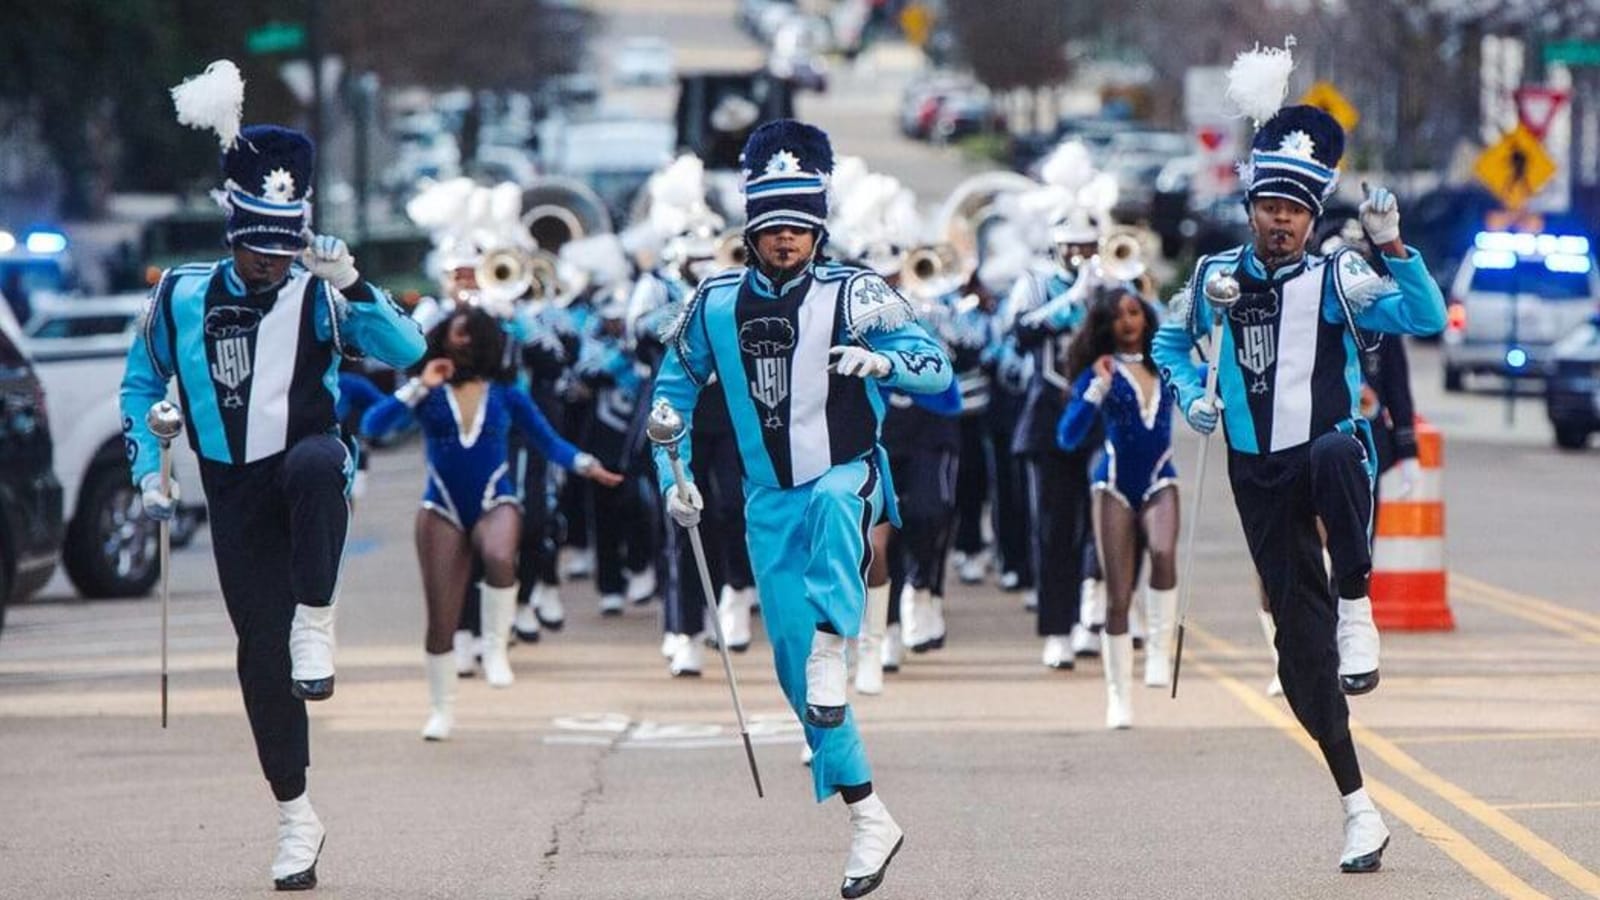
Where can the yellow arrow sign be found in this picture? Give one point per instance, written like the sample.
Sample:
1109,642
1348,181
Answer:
916,22
1515,168
1324,96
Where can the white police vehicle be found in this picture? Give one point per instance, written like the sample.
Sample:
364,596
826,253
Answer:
1516,294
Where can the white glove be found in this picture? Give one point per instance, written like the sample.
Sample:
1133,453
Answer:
1410,477
684,506
1202,414
1380,215
857,362
157,505
329,258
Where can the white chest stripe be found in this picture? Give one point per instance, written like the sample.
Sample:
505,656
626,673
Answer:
277,345
808,384
1297,356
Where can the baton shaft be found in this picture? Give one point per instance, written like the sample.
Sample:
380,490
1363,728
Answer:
166,576
1194,513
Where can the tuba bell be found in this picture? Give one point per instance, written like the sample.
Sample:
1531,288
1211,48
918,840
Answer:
557,210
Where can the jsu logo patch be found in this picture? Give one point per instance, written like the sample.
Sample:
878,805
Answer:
769,342
1257,349
230,364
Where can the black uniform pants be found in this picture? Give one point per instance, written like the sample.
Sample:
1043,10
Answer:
972,484
715,470
1059,496
1280,496
925,486
1012,510
277,530
536,559
624,533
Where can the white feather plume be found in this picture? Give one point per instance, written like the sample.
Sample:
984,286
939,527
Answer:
1100,194
440,204
213,99
1258,80
1069,166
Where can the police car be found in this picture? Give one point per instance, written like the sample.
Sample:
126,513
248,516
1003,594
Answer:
1572,392
1516,294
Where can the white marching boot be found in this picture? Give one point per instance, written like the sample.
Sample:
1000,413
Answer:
922,620
1358,646
870,647
806,754
972,569
466,653
641,586
612,604
936,606
894,648
1365,835
1091,618
1162,613
1058,652
733,614
311,652
525,627
300,839
546,602
875,837
580,564
687,658
670,642
496,606
826,677
1269,629
1119,680
441,697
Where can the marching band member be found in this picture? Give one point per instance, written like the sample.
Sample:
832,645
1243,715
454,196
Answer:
254,341
803,347
470,506
1299,450
1135,484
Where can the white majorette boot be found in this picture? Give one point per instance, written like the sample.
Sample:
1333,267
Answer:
1091,617
1119,680
641,586
465,649
1365,835
1162,612
733,614
687,658
894,648
311,652
546,602
496,606
1058,652
300,839
875,838
1358,646
1269,629
441,697
825,681
870,645
525,627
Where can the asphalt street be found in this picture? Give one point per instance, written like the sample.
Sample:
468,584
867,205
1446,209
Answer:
598,776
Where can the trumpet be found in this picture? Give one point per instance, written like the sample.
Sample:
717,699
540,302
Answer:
505,275
729,252
1120,256
931,270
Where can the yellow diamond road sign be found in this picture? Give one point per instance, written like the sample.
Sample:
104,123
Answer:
1515,168
1324,96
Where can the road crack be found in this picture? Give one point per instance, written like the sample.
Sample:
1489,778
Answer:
574,823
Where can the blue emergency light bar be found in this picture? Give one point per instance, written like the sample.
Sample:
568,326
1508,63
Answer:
1568,253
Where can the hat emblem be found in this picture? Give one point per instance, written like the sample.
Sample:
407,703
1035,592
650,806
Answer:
1298,144
278,186
783,163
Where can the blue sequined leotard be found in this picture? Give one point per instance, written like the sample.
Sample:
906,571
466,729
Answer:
1138,451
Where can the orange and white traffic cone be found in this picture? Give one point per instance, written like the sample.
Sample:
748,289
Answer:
1408,570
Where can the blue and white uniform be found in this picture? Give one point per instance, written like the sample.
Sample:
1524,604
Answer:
469,470
1137,461
814,472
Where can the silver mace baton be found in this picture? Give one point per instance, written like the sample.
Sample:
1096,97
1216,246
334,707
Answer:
165,422
666,430
1222,292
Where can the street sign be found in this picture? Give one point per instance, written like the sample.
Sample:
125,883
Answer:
1515,168
1324,96
1572,53
1537,106
276,37
916,22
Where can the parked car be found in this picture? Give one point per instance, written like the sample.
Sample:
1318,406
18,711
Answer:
30,494
642,60
70,327
1572,392
1514,296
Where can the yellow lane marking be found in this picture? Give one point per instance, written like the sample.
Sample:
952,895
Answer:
1552,804
1579,617
1434,830
1527,614
1544,852
1495,737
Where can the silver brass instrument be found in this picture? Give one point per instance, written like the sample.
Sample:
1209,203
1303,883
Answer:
505,274
557,210
1121,256
730,251
931,270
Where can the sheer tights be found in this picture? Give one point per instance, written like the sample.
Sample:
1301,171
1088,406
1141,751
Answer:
446,557
1122,534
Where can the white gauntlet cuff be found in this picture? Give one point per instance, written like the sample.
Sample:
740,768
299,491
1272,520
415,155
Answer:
1097,390
412,392
583,463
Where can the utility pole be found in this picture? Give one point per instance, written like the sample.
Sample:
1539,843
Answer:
314,57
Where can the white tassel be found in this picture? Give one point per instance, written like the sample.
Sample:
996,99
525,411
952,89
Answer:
1258,81
213,99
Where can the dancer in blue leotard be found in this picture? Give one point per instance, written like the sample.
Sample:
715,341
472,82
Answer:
470,503
1135,484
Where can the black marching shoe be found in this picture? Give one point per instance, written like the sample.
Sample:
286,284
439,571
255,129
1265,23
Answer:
826,680
301,838
313,690
860,887
1356,685
311,644
1365,835
875,839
